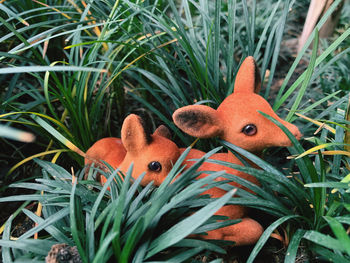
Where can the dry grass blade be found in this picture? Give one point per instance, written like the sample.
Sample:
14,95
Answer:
318,123
33,157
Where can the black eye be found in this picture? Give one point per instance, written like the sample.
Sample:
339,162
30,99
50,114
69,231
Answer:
155,166
249,130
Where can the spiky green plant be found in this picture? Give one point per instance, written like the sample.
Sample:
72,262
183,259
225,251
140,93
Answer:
171,60
179,53
128,223
64,61
311,205
212,39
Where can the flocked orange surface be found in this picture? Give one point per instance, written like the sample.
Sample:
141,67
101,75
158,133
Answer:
236,120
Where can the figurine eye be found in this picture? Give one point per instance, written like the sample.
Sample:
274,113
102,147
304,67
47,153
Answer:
249,130
155,166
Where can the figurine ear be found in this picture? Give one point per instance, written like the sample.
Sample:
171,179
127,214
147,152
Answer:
248,77
198,120
163,131
134,136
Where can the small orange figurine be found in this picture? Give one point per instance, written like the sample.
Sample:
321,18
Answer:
237,121
154,153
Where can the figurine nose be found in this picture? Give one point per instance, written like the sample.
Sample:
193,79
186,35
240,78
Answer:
293,129
297,134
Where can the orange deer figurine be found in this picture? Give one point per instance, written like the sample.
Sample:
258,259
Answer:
154,153
237,121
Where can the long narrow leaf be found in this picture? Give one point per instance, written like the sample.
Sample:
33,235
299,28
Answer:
278,100
265,236
308,75
293,246
340,233
185,227
6,253
74,224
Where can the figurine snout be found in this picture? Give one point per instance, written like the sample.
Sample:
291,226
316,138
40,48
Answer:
294,130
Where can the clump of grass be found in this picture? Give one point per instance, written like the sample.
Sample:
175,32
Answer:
164,55
75,54
82,59
311,206
128,223
212,40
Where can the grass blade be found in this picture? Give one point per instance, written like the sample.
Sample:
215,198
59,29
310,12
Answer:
329,255
58,135
27,69
279,101
186,226
308,75
40,247
322,57
6,253
117,224
265,236
132,240
200,243
279,35
323,240
101,252
293,246
46,224
74,222
317,148
340,233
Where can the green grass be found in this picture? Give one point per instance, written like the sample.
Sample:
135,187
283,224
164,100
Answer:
81,84
128,223
71,73
212,41
306,204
